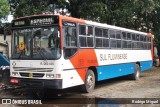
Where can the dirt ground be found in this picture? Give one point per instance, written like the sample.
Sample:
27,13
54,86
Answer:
148,86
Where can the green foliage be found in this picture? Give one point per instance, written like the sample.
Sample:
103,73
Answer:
29,7
4,9
140,15
155,42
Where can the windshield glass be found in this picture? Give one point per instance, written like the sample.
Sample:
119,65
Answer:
36,43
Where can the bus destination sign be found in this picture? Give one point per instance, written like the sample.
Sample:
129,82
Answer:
35,21
41,21
19,23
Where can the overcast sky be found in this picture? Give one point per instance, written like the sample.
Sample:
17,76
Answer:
9,19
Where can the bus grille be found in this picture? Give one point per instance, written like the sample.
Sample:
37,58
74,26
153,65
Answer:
33,69
33,75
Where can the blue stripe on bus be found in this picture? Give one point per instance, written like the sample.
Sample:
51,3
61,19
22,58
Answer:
111,71
146,65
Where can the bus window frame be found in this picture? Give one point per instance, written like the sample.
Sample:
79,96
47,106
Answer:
86,36
30,27
63,36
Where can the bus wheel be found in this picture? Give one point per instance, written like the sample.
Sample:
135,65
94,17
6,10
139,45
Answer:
89,82
136,74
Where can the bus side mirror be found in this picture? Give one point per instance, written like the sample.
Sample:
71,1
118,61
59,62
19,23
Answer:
4,35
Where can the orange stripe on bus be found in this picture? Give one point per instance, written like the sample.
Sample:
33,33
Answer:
83,59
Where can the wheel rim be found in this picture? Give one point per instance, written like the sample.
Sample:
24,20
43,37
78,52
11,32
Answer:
90,81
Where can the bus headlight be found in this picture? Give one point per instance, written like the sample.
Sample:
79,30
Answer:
50,75
58,76
15,74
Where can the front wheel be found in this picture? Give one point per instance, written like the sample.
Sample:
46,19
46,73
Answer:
89,82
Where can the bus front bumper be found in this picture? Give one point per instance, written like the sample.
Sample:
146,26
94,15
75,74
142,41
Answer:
37,83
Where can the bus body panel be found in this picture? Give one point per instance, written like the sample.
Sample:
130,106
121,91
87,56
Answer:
116,70
145,65
109,56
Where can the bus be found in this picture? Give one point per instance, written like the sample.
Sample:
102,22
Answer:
57,52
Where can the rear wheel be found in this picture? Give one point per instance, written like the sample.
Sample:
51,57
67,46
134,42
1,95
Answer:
89,82
136,74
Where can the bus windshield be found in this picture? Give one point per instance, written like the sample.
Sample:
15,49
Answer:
39,43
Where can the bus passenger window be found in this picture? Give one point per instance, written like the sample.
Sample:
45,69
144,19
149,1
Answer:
90,41
105,42
82,41
129,45
118,43
89,36
141,38
118,34
124,35
137,37
113,43
105,38
98,36
98,32
98,42
133,37
71,38
105,33
145,45
124,44
82,29
86,36
128,36
112,34
90,31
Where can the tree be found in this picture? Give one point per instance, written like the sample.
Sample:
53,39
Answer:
29,7
140,15
4,9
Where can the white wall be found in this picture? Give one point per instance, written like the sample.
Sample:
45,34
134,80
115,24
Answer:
3,48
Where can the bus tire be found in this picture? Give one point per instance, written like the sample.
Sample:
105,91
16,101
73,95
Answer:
136,74
89,82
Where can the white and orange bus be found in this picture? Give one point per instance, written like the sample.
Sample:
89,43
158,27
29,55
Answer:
58,52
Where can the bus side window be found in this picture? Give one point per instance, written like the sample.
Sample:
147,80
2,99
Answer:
82,36
86,36
113,40
99,37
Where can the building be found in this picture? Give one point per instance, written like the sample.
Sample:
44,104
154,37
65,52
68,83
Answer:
5,46
4,50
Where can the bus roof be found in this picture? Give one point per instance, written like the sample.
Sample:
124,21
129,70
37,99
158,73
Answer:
34,16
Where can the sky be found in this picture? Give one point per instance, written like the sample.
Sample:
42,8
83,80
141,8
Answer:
9,19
